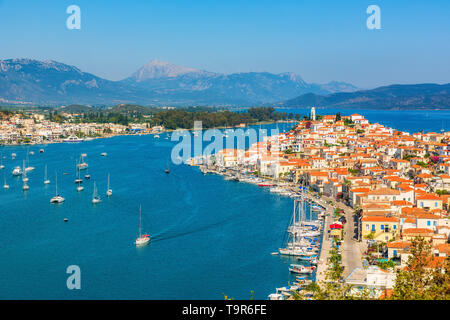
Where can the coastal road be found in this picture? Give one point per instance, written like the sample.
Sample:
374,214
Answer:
351,253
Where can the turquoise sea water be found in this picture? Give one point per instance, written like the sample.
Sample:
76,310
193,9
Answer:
210,236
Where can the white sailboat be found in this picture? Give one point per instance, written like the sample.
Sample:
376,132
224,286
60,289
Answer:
1,161
46,180
17,171
5,185
28,168
95,197
24,176
141,239
109,190
57,198
79,181
82,165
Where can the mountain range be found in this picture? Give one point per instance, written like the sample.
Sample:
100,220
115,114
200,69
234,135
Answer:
158,83
29,81
415,96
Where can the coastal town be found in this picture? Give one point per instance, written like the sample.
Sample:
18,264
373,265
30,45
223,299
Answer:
35,128
381,189
373,189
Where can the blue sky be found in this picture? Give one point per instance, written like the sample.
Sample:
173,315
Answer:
322,40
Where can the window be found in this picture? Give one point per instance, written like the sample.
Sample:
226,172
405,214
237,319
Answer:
434,223
373,227
367,227
395,227
428,223
382,227
435,204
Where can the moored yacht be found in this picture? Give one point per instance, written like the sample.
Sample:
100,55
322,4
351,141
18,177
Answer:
95,198
57,198
1,161
82,165
109,190
46,180
5,185
17,171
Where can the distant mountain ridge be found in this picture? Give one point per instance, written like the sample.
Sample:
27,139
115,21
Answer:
156,83
415,96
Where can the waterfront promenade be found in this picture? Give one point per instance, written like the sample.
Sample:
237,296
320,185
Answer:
350,250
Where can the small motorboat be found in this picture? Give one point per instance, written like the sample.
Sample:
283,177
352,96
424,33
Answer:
298,268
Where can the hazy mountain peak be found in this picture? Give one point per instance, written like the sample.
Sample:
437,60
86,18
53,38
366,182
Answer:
156,69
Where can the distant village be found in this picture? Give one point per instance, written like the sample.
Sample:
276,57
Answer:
35,128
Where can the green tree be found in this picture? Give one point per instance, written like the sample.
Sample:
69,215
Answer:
424,277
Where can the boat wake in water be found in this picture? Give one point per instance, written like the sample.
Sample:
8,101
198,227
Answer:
169,236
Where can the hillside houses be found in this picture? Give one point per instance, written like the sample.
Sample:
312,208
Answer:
399,183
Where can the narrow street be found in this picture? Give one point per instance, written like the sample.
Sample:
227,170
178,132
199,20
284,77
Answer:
351,252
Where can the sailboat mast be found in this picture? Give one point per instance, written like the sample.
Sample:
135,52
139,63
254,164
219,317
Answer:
139,227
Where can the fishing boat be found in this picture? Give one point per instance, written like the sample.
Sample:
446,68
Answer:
13,155
109,190
46,180
103,154
141,239
41,151
57,198
156,136
25,186
299,268
95,197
